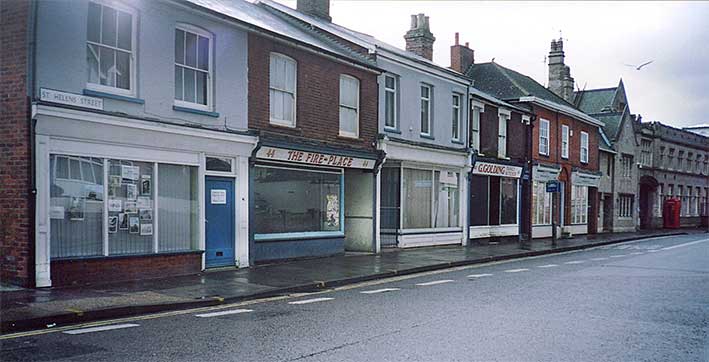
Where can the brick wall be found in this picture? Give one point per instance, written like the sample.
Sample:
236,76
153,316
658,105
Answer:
102,270
317,97
555,122
16,247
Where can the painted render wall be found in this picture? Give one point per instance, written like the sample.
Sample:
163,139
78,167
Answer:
409,105
62,65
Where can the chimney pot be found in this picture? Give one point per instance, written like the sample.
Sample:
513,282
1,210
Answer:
467,44
462,57
419,39
456,38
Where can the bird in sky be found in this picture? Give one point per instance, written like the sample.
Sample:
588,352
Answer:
638,67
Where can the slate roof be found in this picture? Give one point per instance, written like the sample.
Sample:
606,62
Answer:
595,100
505,83
251,14
605,144
612,122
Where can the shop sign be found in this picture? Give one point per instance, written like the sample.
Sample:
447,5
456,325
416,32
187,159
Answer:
553,186
545,174
70,99
492,169
584,179
313,158
218,197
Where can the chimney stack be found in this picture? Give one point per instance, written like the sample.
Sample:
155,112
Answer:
462,57
419,39
317,8
560,81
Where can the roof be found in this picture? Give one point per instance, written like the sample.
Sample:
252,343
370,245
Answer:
605,145
612,121
595,100
372,44
508,84
251,14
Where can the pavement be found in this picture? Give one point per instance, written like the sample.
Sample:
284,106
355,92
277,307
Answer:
29,309
643,300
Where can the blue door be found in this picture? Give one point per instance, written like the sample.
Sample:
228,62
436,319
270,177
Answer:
219,221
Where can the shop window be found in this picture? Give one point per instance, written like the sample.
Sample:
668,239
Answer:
541,204
110,47
508,201
479,194
282,90
76,206
418,185
625,207
349,106
178,208
390,101
544,137
579,204
130,206
446,204
193,71
296,201
390,203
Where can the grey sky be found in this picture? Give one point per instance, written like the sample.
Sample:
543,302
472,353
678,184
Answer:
599,37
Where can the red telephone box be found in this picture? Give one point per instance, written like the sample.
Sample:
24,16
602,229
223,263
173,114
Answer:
670,213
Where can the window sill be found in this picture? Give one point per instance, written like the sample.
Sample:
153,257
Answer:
298,236
348,138
195,111
427,136
458,142
392,130
124,256
93,93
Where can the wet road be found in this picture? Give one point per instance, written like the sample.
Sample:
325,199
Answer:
638,301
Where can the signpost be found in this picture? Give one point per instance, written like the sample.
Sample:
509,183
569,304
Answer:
553,186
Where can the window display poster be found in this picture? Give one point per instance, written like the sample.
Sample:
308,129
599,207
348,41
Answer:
56,212
134,225
77,206
122,221
146,215
130,207
144,203
112,224
145,185
333,211
114,181
130,172
131,191
115,205
146,229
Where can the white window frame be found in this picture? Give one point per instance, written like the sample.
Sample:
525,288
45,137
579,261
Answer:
131,92
625,206
428,102
584,147
395,98
476,110
503,117
456,110
579,206
356,132
539,217
544,136
564,141
283,122
187,28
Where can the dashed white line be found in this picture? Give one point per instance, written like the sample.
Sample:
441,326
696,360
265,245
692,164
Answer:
575,262
435,282
618,256
685,244
654,250
637,253
479,275
308,301
101,329
225,312
547,266
383,290
599,259
516,270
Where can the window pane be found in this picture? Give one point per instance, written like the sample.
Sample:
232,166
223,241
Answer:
131,206
123,70
93,31
288,200
92,58
389,112
219,164
76,209
424,92
424,117
201,88
179,46
348,120
190,85
178,83
108,26
108,67
87,172
445,199
178,212
417,186
508,196
289,76
479,200
390,198
125,28
288,103
191,49
389,81
203,53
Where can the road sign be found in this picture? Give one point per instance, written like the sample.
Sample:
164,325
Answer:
553,186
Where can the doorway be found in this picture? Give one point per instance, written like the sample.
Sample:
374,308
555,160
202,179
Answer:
219,222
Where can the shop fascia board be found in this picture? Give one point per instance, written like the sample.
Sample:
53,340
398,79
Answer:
564,110
139,124
423,155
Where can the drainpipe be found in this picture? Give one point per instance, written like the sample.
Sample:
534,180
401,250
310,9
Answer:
31,87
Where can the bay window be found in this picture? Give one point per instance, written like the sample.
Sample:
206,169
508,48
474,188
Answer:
110,48
349,106
282,90
579,204
544,137
193,70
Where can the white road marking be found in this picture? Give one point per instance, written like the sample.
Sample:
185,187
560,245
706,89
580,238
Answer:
101,329
383,290
314,300
685,244
225,312
654,250
637,253
435,282
516,270
575,262
547,266
479,275
599,259
619,256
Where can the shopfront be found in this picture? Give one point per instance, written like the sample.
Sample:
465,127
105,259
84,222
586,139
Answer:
311,202
542,201
121,198
495,196
423,203
583,185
